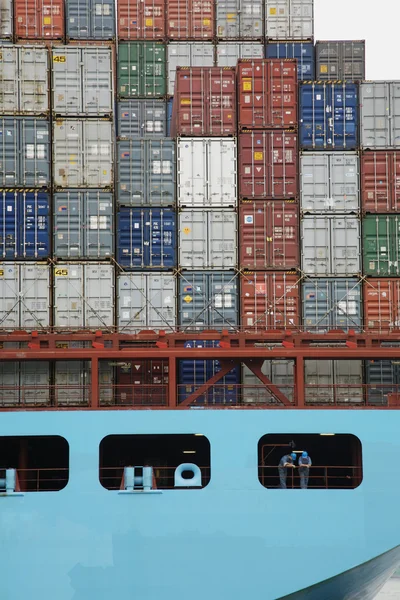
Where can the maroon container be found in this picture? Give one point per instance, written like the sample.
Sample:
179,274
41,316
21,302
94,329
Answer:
39,19
141,19
141,382
204,102
190,19
380,181
267,94
268,167
382,304
268,235
269,301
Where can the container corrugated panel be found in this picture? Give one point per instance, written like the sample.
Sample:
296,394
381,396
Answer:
344,60
329,116
332,304
24,382
331,246
208,300
146,238
338,381
381,245
82,81
279,371
207,170
83,295
134,375
90,19
83,224
141,69
194,373
24,225
289,19
329,182
382,378
204,101
268,165
82,153
190,19
142,119
25,152
382,304
267,94
240,19
228,53
39,19
380,114
169,115
146,301
380,181
141,19
303,52
192,54
207,239
146,172
268,235
25,294
72,380
6,19
269,301
24,75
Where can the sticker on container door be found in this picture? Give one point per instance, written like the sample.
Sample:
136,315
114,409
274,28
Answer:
258,155
186,230
58,58
149,22
247,85
188,299
206,22
60,272
272,10
248,219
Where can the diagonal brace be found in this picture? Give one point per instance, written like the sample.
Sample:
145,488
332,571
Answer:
226,367
255,366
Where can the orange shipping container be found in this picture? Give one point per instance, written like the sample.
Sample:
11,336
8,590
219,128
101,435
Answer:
382,304
380,181
190,19
39,19
141,19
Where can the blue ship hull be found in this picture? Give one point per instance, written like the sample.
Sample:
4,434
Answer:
232,540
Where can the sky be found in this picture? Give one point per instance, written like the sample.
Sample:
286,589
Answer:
375,21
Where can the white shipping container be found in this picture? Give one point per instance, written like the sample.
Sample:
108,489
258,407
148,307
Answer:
289,19
380,114
72,380
207,239
6,19
82,153
188,54
207,170
25,296
228,53
322,375
146,301
24,383
83,296
279,371
331,246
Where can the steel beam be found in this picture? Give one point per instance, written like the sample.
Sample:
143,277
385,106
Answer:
226,367
255,366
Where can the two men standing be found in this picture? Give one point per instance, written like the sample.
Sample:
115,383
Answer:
304,464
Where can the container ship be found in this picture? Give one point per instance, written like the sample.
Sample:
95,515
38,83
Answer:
200,295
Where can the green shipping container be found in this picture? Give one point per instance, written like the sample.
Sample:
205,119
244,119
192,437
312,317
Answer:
141,70
381,252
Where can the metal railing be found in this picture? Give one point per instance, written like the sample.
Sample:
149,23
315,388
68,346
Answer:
41,479
163,477
320,477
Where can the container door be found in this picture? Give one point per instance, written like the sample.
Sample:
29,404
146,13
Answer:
283,236
131,173
153,70
192,373
10,158
344,182
301,19
6,19
345,246
68,296
348,377
395,113
192,173
277,15
103,20
282,165
317,248
99,225
382,379
201,54
283,302
342,122
98,154
280,372
380,181
161,238
51,19
222,300
68,150
179,55
128,70
132,302
313,101
10,393
250,15
34,296
253,241
9,292
377,230
27,18
316,305
345,304
221,173
222,239
142,118
34,80
381,304
68,239
35,223
78,20
97,88
9,92
34,382
193,239
72,380
160,169
193,294
98,300
376,128
9,225
131,249
318,379
315,194
161,302
228,19
178,19
35,152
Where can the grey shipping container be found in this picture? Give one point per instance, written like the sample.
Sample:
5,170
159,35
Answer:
240,19
332,304
83,296
25,152
24,76
329,182
25,294
83,224
382,378
279,371
380,114
188,54
146,301
228,53
142,119
146,172
207,239
72,380
6,19
289,19
207,169
333,381
208,300
91,19
344,60
24,382
82,82
82,153
331,246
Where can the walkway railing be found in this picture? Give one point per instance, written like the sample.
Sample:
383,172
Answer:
320,477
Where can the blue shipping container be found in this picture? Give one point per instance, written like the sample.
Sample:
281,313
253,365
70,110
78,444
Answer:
24,225
329,116
146,238
332,304
304,52
169,115
193,373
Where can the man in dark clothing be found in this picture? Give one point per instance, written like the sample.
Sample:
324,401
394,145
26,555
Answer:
304,469
285,462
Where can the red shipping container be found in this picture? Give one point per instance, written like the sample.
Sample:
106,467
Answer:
269,301
142,382
267,94
190,19
268,166
204,102
268,235
382,304
141,19
39,19
380,181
